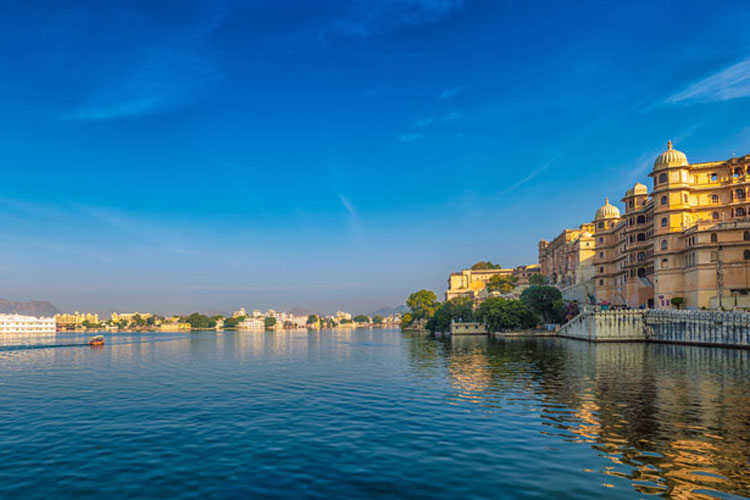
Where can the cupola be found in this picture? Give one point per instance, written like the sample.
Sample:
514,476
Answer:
670,158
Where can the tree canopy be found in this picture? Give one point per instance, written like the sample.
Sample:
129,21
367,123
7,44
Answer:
502,284
361,318
377,319
485,264
538,279
422,304
459,309
546,301
504,314
406,320
312,319
199,321
270,322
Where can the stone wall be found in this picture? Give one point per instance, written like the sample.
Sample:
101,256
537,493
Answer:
661,325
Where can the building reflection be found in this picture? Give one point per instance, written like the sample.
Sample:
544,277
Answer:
672,420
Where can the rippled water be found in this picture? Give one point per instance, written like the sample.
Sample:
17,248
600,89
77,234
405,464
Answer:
370,413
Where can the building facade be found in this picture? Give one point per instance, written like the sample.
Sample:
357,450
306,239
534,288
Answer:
75,320
16,323
688,239
472,283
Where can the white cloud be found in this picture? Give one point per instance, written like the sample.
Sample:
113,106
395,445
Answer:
373,16
448,93
732,82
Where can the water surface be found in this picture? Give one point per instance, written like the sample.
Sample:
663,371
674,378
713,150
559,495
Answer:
369,414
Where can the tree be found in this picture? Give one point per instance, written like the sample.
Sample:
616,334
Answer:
406,320
377,319
232,321
312,319
502,284
485,264
458,309
422,304
504,314
198,321
677,301
546,301
270,321
361,318
538,279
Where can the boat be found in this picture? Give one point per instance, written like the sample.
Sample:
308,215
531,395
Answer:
97,340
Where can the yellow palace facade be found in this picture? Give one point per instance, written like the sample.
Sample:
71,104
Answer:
689,237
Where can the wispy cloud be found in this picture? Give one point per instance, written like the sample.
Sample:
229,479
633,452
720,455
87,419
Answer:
732,82
422,126
448,93
354,222
375,16
528,178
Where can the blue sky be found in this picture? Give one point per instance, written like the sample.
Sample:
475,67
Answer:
176,156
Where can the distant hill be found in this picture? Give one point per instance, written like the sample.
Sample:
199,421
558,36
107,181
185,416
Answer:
387,311
300,311
32,308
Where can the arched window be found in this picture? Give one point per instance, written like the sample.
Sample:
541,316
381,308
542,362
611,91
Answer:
662,178
600,225
746,255
715,237
714,177
664,263
663,244
663,200
714,198
740,194
641,272
737,171
601,239
641,219
641,237
664,222
641,256
740,211
601,270
601,255
601,282
630,203
715,216
746,236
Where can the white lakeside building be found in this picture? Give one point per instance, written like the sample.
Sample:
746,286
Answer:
16,323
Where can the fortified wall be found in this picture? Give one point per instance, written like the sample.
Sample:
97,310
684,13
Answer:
683,327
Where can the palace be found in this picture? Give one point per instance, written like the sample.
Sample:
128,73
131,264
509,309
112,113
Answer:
16,323
689,238
472,283
75,320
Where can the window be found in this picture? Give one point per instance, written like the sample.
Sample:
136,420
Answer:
663,200
641,237
641,219
601,239
601,255
664,263
662,178
630,203
740,194
737,172
746,236
714,177
664,222
601,282
641,272
600,225
641,256
746,255
601,270
740,212
715,216
663,244
714,198
715,237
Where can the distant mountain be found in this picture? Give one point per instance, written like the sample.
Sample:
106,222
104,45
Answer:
32,308
387,311
300,311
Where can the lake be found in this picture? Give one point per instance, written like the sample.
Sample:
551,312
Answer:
369,414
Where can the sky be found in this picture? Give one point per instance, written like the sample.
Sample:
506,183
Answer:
179,156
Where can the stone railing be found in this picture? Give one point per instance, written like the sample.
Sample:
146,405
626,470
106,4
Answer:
699,327
606,326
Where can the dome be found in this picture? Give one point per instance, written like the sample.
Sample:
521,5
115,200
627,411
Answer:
637,189
607,211
670,158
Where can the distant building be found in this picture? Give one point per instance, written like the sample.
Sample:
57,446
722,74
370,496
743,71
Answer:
16,323
239,313
129,317
75,320
252,325
341,315
175,327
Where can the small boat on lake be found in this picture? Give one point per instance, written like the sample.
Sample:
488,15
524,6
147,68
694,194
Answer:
97,340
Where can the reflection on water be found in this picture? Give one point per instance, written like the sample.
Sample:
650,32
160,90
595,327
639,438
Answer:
671,420
369,413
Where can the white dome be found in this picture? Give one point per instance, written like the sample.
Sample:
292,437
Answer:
670,158
607,211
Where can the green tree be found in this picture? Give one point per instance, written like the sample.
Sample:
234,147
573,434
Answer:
677,302
198,321
270,321
485,264
546,301
377,319
500,314
361,318
422,304
232,322
459,309
502,284
538,279
406,320
312,319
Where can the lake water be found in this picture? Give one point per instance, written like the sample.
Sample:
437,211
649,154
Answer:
369,414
